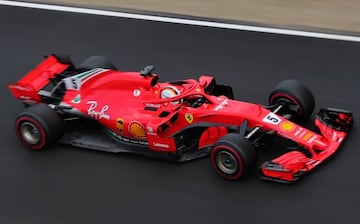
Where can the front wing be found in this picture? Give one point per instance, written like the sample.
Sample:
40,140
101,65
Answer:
334,125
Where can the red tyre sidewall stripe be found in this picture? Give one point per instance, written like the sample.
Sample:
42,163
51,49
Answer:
283,95
234,153
38,126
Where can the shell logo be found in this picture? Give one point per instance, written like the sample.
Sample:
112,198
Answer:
287,126
137,129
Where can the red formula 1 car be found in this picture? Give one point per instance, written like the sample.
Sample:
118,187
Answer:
99,107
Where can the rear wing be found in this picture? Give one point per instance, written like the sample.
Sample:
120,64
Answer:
26,89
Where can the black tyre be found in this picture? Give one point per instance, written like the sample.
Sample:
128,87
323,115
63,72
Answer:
97,62
38,126
295,96
233,157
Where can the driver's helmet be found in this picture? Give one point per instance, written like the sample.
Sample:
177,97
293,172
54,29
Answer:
169,92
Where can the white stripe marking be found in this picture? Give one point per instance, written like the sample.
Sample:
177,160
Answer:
182,21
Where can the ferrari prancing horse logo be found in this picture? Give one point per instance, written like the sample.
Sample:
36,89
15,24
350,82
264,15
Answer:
189,118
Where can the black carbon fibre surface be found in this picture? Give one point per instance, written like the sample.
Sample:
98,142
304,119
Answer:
70,185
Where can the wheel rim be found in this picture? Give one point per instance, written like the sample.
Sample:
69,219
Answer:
226,162
30,133
291,105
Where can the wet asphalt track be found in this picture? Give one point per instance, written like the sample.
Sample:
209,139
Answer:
70,185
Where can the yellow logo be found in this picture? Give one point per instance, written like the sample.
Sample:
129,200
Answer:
287,126
137,130
307,136
189,118
120,124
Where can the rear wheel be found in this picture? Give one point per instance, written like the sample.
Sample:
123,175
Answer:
38,126
295,97
97,62
233,157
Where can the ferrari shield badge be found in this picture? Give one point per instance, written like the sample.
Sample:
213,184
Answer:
189,118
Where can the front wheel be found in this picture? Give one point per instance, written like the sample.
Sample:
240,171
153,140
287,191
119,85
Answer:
38,126
233,157
295,97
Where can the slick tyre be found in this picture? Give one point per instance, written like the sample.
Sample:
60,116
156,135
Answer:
295,96
38,127
97,62
233,157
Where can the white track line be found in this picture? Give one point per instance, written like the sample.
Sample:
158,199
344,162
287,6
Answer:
181,21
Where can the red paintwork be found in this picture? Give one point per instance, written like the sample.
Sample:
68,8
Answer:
114,91
211,135
26,88
112,96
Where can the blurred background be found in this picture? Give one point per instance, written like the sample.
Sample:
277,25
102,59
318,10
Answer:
321,15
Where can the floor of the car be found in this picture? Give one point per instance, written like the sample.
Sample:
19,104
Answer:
102,141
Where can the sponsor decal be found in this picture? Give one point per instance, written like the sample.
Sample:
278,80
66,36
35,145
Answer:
161,145
189,118
221,105
307,136
120,124
137,129
20,88
287,126
127,140
29,101
313,162
77,99
312,139
74,84
334,136
319,142
272,118
152,105
337,138
136,92
97,114
150,129
298,131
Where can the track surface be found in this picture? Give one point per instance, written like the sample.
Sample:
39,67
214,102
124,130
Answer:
70,185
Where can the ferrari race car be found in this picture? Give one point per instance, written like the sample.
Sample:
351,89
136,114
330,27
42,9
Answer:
96,106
